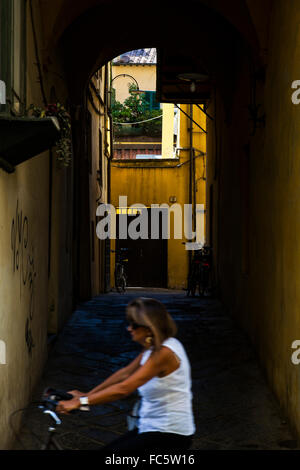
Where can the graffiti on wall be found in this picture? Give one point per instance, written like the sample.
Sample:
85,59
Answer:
23,265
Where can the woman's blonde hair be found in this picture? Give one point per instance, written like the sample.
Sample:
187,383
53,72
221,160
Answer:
152,314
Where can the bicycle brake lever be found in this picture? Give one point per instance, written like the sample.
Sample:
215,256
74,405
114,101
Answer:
53,415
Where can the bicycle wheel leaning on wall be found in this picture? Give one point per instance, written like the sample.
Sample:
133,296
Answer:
120,278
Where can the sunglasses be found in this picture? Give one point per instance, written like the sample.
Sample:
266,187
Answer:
134,325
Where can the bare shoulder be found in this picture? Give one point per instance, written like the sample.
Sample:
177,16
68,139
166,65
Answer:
165,354
166,361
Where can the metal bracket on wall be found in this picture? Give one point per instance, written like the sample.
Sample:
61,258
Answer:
204,112
203,130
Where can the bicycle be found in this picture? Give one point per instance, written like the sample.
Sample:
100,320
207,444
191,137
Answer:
199,274
205,270
194,274
47,405
120,273
50,400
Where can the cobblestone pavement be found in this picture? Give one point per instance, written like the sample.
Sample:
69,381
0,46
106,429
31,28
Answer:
234,408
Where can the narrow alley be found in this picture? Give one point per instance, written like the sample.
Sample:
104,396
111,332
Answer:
151,148
233,406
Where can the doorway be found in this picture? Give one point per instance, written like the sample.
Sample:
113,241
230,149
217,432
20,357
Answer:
147,258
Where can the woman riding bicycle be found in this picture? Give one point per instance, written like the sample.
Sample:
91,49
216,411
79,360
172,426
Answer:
160,373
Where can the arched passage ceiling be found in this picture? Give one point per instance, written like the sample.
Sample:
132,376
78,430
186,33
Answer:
92,32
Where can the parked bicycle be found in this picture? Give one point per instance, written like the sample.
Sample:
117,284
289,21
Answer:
205,271
120,269
200,272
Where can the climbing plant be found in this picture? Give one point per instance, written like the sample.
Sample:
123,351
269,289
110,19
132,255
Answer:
63,144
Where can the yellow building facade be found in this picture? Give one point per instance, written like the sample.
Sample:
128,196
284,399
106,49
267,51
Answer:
256,249
167,180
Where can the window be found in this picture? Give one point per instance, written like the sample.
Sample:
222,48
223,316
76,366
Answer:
18,76
150,97
5,45
12,53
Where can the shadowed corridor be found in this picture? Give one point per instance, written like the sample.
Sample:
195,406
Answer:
233,406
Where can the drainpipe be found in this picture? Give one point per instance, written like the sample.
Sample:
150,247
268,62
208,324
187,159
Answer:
111,143
107,115
107,88
191,178
194,174
111,128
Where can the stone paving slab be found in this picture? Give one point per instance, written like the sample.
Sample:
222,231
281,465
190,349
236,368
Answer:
233,406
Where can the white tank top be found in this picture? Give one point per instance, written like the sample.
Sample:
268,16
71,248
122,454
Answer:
166,404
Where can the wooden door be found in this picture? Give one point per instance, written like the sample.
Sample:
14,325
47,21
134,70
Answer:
147,259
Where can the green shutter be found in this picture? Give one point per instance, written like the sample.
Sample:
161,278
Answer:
151,103
155,104
147,97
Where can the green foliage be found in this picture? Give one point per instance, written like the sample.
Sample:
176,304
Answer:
134,109
63,144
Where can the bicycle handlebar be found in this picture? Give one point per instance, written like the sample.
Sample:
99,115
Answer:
50,399
53,394
53,415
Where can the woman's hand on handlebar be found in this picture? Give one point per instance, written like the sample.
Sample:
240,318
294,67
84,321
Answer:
65,407
77,393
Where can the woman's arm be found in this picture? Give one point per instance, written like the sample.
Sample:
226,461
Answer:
157,363
115,378
118,376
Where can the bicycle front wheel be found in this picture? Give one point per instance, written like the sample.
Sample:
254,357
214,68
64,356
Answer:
123,283
120,281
